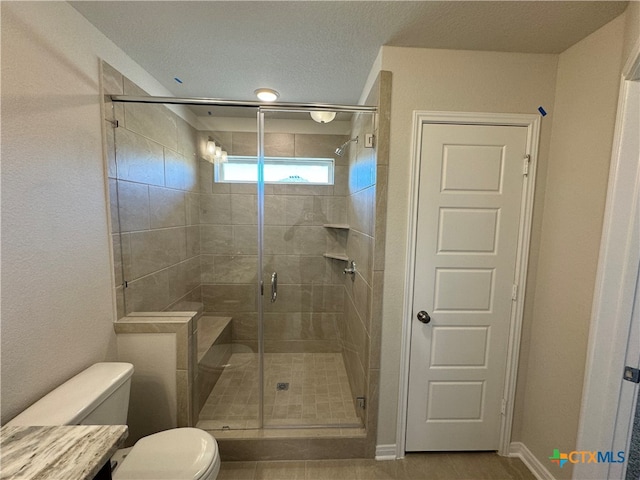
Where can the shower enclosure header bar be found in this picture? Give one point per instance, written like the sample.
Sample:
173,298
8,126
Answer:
219,102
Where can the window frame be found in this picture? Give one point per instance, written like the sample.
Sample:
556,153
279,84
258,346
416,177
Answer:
218,176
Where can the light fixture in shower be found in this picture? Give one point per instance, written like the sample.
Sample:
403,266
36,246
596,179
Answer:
323,117
214,153
211,147
267,94
340,150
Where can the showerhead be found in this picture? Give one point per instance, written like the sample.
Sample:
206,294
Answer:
340,150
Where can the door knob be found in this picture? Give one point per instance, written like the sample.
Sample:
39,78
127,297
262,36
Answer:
423,316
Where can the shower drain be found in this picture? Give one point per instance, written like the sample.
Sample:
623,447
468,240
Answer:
281,386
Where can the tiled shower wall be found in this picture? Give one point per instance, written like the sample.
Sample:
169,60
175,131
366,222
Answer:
366,207
156,231
361,212
308,314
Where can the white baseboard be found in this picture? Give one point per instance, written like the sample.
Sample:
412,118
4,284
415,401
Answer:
520,450
386,452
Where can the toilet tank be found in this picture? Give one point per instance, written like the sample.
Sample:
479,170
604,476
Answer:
98,395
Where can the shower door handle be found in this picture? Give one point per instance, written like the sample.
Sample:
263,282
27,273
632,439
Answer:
274,286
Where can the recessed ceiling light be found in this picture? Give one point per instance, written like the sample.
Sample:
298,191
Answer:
267,94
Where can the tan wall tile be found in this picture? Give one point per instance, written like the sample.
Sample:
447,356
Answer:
244,143
138,158
380,227
275,210
301,346
291,298
278,145
193,240
117,260
205,179
156,122
215,209
229,298
120,310
235,269
156,249
244,209
112,80
187,139
167,208
245,239
181,171
327,298
110,149
193,208
133,206
148,294
113,206
183,277
216,239
324,146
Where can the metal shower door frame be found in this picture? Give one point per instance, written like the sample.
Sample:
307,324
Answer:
262,107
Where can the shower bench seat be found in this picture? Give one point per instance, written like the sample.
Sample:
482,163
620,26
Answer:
213,353
212,331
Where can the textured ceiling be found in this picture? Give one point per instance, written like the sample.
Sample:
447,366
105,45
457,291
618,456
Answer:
322,51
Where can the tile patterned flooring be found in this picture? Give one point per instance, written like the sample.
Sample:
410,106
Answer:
318,393
415,466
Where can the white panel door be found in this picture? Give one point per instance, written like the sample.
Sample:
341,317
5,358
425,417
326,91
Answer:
469,208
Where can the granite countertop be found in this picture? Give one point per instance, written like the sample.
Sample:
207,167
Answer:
57,452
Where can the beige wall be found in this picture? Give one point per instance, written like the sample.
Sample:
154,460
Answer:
57,301
425,79
576,182
575,150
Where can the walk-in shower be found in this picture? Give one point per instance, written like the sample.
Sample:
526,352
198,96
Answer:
196,233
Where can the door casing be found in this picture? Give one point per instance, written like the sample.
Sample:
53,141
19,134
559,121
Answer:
532,122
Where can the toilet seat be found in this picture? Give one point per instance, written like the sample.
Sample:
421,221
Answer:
177,454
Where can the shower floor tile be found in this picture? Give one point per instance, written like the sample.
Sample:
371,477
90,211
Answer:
318,393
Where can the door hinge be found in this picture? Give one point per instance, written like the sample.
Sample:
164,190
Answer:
514,292
503,408
527,161
631,374
114,123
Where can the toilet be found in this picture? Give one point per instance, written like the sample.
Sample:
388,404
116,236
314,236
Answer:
99,395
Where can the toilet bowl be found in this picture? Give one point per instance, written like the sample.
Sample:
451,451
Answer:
99,395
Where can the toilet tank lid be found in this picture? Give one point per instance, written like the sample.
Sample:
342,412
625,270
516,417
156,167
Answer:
72,401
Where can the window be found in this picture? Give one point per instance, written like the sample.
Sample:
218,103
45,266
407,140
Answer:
311,171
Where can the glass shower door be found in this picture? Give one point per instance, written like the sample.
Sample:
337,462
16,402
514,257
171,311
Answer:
305,233
229,272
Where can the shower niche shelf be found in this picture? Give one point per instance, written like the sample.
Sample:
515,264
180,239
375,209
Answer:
337,256
340,227
337,226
